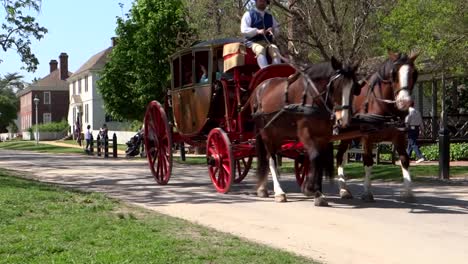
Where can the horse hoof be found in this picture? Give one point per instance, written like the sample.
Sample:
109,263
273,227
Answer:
345,194
262,193
367,197
280,198
320,201
308,193
408,197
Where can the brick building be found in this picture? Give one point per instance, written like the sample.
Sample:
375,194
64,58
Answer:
52,91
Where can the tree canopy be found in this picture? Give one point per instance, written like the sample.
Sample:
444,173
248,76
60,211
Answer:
9,85
138,70
18,28
436,27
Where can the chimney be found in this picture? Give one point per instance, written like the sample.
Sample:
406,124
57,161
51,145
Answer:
114,41
63,66
53,65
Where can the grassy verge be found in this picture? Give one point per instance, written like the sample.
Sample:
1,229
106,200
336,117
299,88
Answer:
31,146
355,170
74,143
45,224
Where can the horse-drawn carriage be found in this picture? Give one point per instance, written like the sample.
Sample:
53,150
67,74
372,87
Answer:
210,104
206,106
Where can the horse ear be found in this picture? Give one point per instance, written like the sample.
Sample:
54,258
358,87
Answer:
336,64
393,55
414,55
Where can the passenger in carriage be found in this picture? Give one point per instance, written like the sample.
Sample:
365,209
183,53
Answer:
259,28
204,77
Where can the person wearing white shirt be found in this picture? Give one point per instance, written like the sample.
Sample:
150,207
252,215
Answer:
88,137
414,123
259,27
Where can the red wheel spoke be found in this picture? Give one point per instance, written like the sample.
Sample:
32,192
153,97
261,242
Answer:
157,141
222,167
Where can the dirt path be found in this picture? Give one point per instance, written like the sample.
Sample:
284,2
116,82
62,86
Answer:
433,230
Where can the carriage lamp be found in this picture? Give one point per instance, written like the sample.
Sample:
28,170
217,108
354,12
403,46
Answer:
36,102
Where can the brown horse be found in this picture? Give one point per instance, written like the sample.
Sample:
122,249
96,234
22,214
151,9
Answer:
387,93
304,108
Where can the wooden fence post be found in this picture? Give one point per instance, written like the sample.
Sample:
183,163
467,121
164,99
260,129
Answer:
106,146
98,143
114,146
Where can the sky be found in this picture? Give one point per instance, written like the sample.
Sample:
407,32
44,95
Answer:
81,28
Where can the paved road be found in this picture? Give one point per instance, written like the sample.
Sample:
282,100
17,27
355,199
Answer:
433,230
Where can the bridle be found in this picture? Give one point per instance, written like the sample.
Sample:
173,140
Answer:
379,79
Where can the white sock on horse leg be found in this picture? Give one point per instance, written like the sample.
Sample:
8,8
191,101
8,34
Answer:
262,61
406,179
341,178
274,174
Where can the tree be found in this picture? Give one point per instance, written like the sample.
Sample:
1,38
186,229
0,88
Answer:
320,29
8,102
216,18
19,28
436,27
138,69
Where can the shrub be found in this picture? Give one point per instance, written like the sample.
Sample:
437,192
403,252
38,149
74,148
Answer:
52,127
458,151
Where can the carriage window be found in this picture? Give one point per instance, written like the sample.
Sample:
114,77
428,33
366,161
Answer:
187,74
176,72
201,66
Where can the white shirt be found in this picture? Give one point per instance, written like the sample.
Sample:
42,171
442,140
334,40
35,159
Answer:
248,31
414,118
88,134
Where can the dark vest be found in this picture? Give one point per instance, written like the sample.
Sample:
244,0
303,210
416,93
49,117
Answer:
259,22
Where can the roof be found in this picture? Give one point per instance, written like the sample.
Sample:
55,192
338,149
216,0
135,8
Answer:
96,62
51,82
76,100
216,42
207,44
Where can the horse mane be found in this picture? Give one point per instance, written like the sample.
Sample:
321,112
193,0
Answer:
319,70
385,68
324,70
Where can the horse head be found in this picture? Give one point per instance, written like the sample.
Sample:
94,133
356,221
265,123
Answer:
343,85
402,74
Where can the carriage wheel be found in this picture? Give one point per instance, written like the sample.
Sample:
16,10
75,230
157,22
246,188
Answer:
158,142
242,168
220,160
301,168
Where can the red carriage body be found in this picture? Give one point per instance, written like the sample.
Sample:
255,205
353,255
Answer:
208,112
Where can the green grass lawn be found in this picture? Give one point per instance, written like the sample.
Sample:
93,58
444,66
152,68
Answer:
356,170
41,223
31,145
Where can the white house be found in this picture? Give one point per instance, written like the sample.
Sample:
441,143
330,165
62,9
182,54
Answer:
86,102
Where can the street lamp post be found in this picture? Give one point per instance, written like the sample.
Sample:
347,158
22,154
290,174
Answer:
36,102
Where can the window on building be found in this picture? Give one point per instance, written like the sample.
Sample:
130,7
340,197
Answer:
86,84
79,86
46,98
86,112
47,118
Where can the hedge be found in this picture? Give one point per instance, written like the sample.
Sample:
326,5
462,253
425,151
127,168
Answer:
458,151
52,127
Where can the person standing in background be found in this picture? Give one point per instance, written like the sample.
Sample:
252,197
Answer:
414,123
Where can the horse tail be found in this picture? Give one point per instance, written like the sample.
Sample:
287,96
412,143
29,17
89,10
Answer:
262,159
